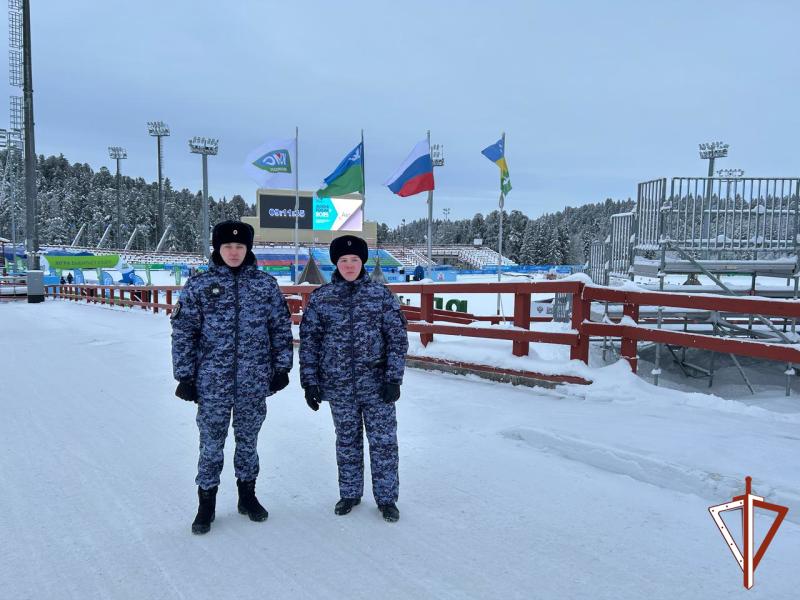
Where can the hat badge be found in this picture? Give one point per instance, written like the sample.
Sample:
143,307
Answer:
349,243
235,232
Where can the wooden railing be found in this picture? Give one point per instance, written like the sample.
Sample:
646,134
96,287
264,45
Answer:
428,321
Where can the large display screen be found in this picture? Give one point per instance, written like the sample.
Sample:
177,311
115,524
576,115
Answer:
278,212
321,214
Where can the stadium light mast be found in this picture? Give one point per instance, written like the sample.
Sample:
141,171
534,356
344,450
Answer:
118,153
437,158
21,75
159,129
204,147
712,150
731,173
12,142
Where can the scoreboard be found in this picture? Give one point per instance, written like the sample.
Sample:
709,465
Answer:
320,214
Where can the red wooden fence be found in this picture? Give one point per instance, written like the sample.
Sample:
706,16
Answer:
428,321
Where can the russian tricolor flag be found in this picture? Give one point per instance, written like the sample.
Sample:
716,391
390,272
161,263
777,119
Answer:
415,175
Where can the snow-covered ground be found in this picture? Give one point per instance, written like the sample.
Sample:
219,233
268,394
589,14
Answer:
594,491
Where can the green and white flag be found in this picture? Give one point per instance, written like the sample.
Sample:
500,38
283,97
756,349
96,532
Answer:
272,164
347,177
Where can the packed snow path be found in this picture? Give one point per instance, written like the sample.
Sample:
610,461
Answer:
598,492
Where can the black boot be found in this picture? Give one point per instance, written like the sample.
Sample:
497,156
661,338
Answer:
205,512
248,503
389,512
345,505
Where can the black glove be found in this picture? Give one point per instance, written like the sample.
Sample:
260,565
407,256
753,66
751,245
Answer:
391,392
313,397
279,381
187,390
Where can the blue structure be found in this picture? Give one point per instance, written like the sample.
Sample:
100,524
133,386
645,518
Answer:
440,273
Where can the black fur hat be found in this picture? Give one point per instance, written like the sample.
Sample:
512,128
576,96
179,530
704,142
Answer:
232,232
349,244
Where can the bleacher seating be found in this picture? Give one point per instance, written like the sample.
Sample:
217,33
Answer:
409,256
477,257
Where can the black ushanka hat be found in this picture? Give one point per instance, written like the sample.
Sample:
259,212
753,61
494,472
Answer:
232,232
349,244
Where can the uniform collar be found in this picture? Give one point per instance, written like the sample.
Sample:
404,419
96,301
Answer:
217,265
337,279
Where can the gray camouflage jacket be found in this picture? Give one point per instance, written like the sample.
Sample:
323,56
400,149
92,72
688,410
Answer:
352,340
231,332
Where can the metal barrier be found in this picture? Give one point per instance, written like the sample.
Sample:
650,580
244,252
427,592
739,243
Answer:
622,237
13,287
650,198
744,219
597,266
739,215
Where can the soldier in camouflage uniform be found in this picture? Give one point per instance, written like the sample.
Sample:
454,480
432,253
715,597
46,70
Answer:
231,348
353,344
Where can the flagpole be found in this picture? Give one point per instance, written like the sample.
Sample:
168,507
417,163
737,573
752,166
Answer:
430,211
500,236
296,202
364,184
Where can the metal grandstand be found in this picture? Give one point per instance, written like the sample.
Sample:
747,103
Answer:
708,226
475,257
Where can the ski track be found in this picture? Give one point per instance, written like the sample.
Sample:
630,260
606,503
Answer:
653,471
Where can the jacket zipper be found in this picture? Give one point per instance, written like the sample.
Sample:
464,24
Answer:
236,335
353,340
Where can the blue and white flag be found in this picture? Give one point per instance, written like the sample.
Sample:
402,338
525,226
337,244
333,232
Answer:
273,164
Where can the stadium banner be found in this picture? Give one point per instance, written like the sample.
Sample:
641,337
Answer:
106,261
338,214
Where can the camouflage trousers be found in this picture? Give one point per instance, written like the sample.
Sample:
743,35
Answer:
380,422
213,419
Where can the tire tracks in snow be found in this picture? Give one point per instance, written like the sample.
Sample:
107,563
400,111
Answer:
646,469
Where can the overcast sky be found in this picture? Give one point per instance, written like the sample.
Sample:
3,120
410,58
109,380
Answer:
593,96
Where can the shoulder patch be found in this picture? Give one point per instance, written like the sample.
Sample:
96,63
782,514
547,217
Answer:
176,311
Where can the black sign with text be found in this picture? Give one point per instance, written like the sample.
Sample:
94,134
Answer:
278,212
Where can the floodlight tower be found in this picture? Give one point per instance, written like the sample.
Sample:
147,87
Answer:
21,75
159,129
711,150
204,147
731,173
437,158
118,153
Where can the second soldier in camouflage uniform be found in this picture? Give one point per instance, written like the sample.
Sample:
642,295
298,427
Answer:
231,348
353,344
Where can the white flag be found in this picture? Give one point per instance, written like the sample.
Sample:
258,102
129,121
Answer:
272,164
